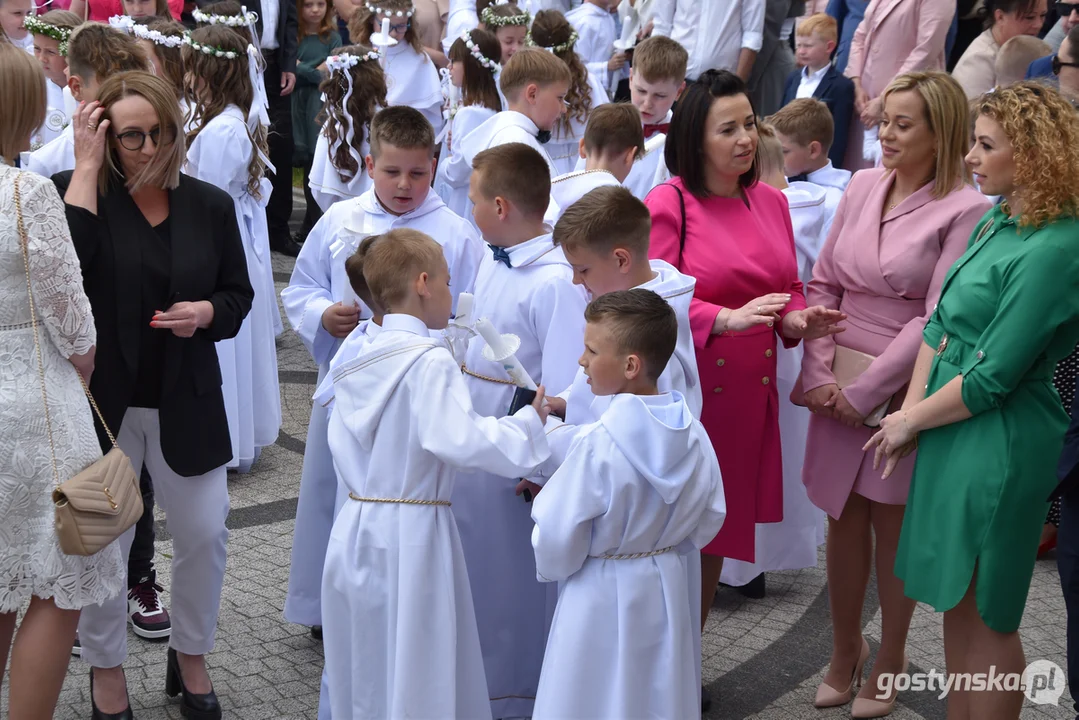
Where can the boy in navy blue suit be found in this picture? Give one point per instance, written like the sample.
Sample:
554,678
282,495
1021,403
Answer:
814,44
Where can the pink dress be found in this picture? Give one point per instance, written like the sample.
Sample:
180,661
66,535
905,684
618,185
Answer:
886,276
736,253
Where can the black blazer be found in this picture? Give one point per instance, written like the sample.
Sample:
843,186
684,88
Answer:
208,263
287,29
1068,467
837,92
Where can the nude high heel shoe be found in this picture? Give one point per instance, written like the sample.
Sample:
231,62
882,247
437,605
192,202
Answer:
869,708
828,696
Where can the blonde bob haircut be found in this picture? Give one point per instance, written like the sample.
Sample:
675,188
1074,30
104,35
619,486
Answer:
948,115
163,170
1043,129
22,99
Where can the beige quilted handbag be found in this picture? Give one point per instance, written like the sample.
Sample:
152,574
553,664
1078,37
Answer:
97,505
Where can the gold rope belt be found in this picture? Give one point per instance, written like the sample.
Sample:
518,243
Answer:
635,556
399,501
466,371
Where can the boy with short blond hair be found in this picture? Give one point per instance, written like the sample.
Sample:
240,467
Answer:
403,423
323,308
613,141
815,41
525,288
535,83
619,526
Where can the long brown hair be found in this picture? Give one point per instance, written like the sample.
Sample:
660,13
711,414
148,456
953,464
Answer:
550,29
161,9
479,86
170,59
225,82
359,27
368,96
325,26
231,8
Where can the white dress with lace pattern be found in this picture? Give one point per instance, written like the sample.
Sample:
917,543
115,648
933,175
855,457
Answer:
31,562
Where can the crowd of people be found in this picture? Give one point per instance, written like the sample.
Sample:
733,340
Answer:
611,302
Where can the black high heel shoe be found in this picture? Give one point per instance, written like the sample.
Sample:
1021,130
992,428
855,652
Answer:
192,706
96,714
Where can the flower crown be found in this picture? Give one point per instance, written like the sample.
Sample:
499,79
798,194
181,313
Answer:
478,54
376,10
37,27
123,23
244,19
344,61
555,49
157,37
209,49
496,21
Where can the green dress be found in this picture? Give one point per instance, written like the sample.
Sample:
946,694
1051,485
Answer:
307,98
1008,312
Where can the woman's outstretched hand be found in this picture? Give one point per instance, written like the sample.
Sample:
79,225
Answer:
812,323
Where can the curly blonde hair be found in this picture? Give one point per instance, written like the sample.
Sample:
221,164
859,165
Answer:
1043,129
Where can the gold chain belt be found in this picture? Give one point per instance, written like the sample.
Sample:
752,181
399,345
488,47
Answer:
466,371
635,556
399,501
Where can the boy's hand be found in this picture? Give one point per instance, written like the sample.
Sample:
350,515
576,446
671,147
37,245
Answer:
557,407
340,319
529,486
617,61
541,408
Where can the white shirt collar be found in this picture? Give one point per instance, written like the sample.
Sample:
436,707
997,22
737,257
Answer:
818,75
404,323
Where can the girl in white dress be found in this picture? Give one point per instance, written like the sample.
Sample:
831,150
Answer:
51,32
508,22
354,92
411,77
33,569
227,147
552,32
473,67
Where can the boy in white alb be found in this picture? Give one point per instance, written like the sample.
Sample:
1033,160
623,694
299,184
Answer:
656,80
596,22
94,52
617,526
612,142
400,634
535,84
524,287
805,129
323,309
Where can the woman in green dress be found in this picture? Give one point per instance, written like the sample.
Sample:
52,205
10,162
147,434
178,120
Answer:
981,408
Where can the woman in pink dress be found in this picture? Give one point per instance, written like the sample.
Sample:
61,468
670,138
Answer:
714,221
897,231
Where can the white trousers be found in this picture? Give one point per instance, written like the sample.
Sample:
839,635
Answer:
195,510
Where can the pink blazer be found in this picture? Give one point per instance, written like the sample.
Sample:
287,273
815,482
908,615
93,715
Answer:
898,36
886,276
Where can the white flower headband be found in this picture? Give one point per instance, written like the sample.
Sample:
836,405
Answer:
122,22
209,49
496,21
157,37
36,26
244,19
372,8
344,61
555,48
478,54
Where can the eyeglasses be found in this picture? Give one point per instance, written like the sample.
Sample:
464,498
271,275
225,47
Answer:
1064,9
1058,64
134,139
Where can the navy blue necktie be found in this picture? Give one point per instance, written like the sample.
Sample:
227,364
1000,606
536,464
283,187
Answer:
798,178
543,137
500,254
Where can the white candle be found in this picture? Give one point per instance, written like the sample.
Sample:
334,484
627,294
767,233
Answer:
491,337
499,350
627,33
385,28
464,308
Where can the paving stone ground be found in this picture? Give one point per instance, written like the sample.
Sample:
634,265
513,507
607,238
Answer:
761,658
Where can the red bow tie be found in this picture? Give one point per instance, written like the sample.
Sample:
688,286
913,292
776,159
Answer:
650,130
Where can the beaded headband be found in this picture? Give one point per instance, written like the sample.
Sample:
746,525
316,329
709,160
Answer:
478,54
37,27
555,48
209,49
496,21
344,61
157,37
375,9
245,19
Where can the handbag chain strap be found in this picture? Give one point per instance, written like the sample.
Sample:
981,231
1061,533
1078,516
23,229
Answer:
24,242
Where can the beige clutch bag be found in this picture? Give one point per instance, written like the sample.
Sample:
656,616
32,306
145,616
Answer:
102,501
847,365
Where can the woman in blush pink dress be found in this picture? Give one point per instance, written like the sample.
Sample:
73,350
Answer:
714,221
897,231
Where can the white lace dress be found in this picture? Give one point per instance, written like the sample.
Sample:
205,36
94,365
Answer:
31,562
